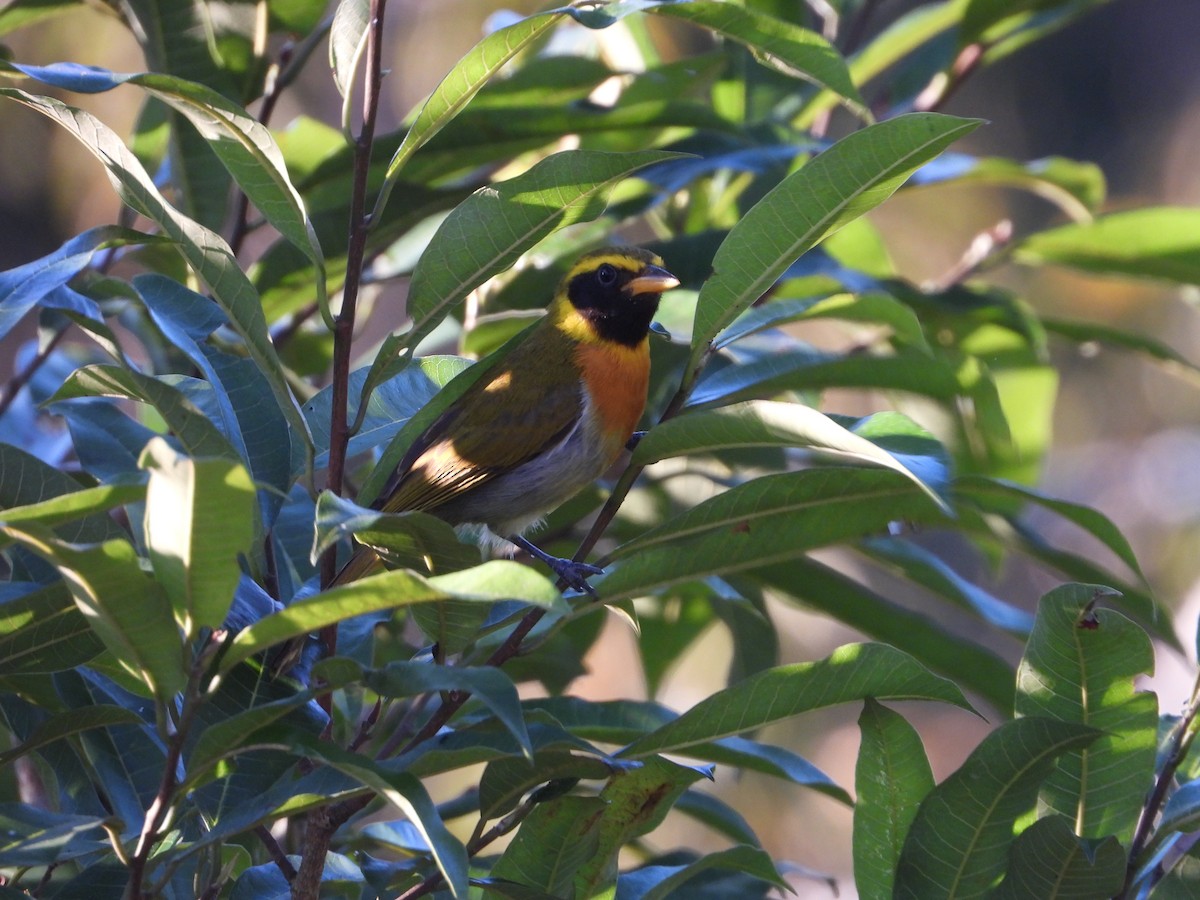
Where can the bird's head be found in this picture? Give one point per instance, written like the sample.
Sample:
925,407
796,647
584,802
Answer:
613,293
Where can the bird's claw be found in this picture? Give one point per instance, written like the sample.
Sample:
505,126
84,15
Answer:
634,440
575,574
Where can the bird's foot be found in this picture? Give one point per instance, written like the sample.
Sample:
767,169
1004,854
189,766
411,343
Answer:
574,573
634,440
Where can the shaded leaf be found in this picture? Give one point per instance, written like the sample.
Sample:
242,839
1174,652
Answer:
958,844
852,672
891,779
1049,860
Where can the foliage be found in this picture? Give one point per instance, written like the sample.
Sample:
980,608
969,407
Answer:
159,553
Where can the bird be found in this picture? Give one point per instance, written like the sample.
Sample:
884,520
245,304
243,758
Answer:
550,418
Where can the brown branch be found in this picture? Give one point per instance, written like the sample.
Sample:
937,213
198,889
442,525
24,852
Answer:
18,381
943,85
1179,743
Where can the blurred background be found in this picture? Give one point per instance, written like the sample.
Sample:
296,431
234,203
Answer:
1120,88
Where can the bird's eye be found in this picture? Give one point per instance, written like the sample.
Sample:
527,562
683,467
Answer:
606,275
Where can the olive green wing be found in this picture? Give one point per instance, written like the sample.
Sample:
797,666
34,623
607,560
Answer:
511,416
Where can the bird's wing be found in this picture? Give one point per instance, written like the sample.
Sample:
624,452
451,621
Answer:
504,420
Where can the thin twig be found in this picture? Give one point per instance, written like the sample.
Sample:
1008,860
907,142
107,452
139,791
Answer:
982,246
276,852
943,85
18,381
1179,743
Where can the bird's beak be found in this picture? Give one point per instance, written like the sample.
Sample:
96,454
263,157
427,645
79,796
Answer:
651,280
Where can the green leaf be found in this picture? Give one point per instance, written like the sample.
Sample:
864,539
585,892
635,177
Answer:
24,287
127,610
408,540
873,307
389,590
461,83
505,781
70,723
1099,333
1079,666
35,837
657,882
199,436
26,481
204,250
764,423
199,518
717,815
242,143
409,795
487,232
554,841
347,40
44,631
1153,242
769,520
1077,188
491,686
891,779
75,505
21,13
777,43
997,495
853,176
638,799
852,672
817,586
900,40
1048,860
958,844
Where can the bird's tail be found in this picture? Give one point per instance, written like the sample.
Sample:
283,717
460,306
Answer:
364,562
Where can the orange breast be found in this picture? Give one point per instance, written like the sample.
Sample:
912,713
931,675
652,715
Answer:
616,378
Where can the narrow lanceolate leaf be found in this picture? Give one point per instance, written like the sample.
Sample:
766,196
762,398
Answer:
44,631
75,505
378,592
996,495
495,580
38,837
852,672
958,843
490,685
204,249
69,723
487,232
1050,862
638,799
657,882
766,423
194,430
839,185
554,841
347,38
126,608
1155,242
972,664
1079,666
242,143
891,779
770,520
199,518
408,794
462,82
22,288
779,44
